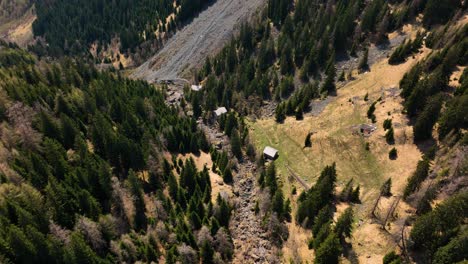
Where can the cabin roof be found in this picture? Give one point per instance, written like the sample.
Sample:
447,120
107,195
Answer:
196,88
271,152
220,111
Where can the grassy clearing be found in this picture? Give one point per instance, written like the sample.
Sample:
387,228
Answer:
333,141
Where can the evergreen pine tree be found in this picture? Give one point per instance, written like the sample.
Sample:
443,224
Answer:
328,252
308,142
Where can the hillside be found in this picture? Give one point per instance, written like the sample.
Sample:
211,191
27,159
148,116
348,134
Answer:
85,177
335,139
206,35
325,75
365,103
16,18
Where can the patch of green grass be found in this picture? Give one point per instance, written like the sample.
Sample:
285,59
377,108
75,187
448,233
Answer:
347,150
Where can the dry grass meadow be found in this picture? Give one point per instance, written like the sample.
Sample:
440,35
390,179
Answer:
333,141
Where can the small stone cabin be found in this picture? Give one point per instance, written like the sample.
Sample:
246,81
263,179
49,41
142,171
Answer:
367,130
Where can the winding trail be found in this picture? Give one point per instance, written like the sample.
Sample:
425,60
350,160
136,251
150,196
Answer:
204,36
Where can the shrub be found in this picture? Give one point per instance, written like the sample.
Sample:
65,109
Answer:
393,154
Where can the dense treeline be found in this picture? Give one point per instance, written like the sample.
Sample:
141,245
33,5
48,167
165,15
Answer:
10,9
407,48
441,234
69,27
83,177
318,197
426,88
434,100
257,65
275,208
315,211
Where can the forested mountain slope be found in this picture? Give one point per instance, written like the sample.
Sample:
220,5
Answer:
206,35
70,27
366,102
85,172
10,9
288,58
16,19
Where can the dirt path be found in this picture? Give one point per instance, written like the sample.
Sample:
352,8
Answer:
204,36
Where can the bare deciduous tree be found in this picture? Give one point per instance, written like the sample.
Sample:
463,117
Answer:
91,232
204,235
161,231
187,254
62,234
21,117
223,243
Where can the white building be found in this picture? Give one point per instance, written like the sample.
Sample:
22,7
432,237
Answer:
270,153
220,111
196,88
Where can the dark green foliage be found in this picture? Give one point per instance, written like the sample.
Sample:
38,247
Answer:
438,234
439,11
236,144
329,84
280,115
70,27
278,203
319,196
393,154
427,118
268,180
297,103
431,85
140,220
344,225
392,258
421,173
258,66
207,253
328,252
454,117
389,136
424,204
371,15
324,216
406,49
387,124
434,230
321,236
79,252
278,10
370,112
224,212
227,175
308,142
455,251
100,142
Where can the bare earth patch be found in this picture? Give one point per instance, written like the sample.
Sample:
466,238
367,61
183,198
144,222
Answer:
217,183
19,30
